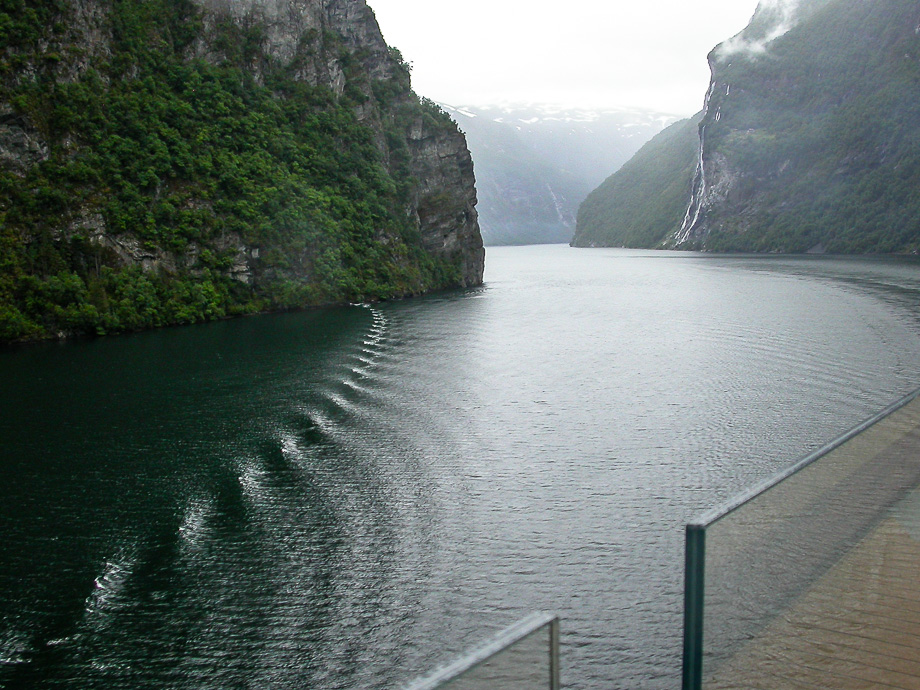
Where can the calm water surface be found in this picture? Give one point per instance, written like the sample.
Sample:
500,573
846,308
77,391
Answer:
347,498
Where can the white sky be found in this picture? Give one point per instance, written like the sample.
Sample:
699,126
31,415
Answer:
577,53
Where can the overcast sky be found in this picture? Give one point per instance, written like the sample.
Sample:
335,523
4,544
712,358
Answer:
584,53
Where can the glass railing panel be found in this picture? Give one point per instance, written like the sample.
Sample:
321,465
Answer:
522,657
773,573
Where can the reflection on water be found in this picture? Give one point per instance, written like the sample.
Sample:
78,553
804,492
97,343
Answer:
347,498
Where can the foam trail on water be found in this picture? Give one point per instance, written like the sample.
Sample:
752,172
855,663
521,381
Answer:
356,387
252,478
108,592
371,348
14,647
361,371
289,446
321,423
194,525
343,403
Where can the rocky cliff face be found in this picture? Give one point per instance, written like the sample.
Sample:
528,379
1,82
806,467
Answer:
809,135
717,176
444,201
274,144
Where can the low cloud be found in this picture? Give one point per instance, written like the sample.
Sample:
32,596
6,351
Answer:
772,19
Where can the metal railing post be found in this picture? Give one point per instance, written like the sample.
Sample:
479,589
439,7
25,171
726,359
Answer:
554,655
694,578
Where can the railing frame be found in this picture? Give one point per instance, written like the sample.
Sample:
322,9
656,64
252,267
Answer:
695,546
502,641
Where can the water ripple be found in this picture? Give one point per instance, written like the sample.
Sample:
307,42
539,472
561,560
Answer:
350,497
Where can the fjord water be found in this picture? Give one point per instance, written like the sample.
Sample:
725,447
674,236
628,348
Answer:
346,498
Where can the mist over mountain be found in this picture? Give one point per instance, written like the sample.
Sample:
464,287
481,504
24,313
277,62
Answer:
809,139
535,164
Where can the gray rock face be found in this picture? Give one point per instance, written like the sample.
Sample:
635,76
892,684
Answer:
714,178
20,147
445,204
720,178
288,22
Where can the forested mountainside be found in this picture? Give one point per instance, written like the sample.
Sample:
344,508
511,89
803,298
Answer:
810,136
620,212
171,161
535,164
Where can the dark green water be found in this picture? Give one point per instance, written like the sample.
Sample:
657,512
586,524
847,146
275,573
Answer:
346,498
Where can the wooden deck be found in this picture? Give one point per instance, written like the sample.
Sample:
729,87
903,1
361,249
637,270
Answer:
857,628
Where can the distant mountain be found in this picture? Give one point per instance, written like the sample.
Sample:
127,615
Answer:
535,164
619,212
809,140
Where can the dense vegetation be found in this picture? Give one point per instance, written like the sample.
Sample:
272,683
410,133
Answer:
647,198
192,164
813,144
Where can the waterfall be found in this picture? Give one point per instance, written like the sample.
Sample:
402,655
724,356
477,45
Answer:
698,190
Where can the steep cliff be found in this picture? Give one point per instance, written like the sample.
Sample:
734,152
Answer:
173,161
810,139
